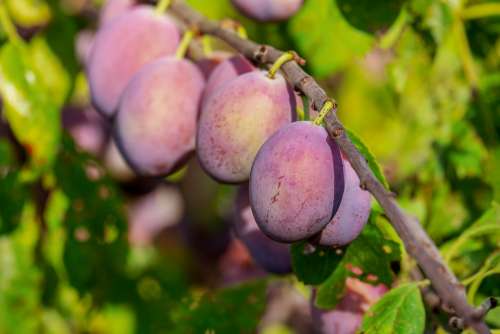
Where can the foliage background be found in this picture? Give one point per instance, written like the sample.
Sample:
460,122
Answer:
416,80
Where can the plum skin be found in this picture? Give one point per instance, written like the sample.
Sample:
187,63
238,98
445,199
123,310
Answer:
352,214
272,256
155,128
268,10
292,182
226,71
237,119
123,47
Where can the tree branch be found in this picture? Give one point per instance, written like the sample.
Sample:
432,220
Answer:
416,240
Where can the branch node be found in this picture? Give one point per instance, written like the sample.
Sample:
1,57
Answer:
260,53
487,305
457,323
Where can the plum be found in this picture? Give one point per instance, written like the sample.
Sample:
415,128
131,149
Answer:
352,213
348,314
238,119
114,8
149,214
293,182
115,164
225,72
268,10
156,123
86,128
272,256
208,64
84,42
123,47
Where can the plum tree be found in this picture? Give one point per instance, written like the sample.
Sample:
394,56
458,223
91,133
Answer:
352,213
112,9
268,10
156,123
122,47
347,315
225,72
149,214
293,182
272,256
238,119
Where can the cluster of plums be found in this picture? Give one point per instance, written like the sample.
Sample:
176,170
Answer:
240,121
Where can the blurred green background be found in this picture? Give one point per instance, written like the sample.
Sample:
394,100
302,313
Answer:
417,80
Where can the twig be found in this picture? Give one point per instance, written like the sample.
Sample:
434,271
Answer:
417,242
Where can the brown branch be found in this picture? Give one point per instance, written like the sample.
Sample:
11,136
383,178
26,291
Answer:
417,242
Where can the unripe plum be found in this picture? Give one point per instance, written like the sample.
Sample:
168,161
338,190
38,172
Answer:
225,72
272,256
123,47
238,119
293,183
114,8
268,10
156,123
352,213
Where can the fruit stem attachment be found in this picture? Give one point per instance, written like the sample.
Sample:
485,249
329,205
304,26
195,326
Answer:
284,58
184,44
327,107
8,27
162,6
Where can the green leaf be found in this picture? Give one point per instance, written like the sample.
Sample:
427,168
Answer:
487,225
29,13
29,110
50,70
372,162
399,311
235,309
314,266
368,15
13,193
325,39
367,258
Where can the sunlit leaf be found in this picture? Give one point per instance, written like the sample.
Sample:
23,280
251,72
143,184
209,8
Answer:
400,311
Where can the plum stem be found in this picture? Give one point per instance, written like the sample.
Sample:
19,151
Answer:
327,107
9,27
184,44
284,58
206,44
162,6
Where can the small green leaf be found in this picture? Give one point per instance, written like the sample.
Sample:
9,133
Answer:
29,110
372,162
50,70
315,266
400,311
368,15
